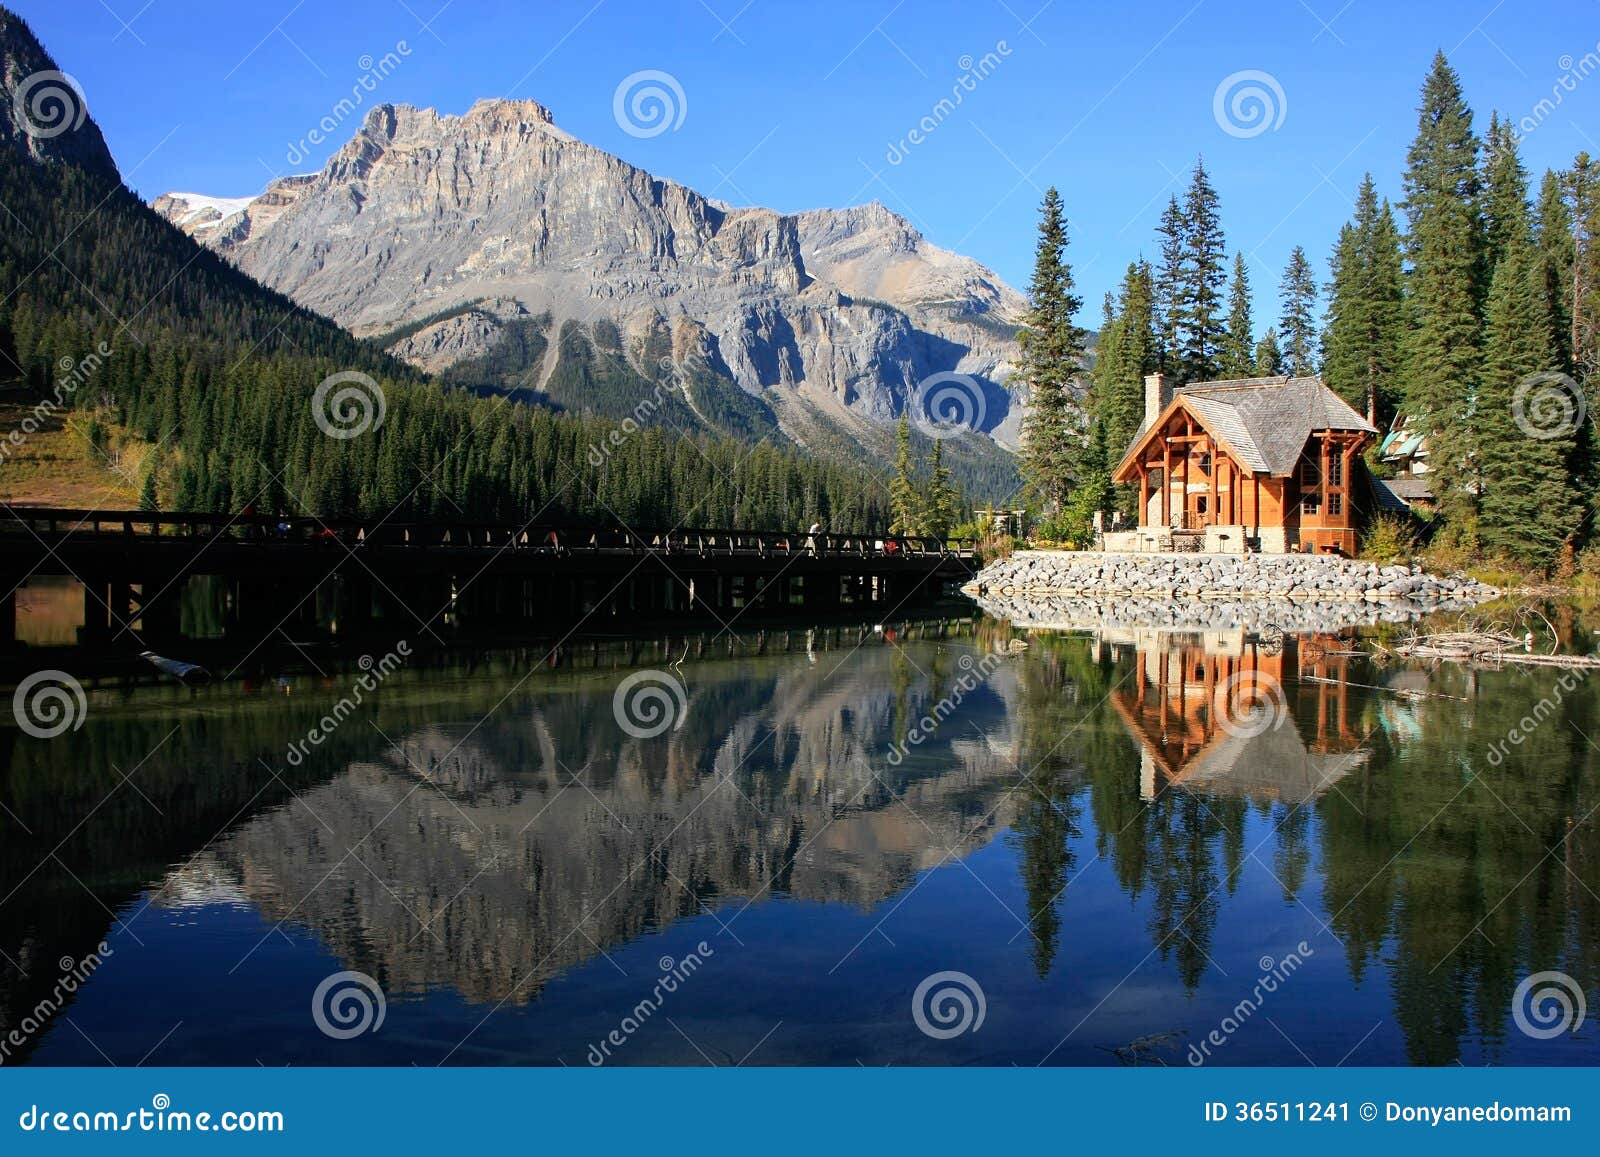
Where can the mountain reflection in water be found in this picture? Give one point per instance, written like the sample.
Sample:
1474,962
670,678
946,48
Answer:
1107,831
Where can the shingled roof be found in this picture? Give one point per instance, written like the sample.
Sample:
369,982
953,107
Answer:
1266,421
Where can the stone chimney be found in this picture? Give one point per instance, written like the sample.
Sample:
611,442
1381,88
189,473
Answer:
1157,395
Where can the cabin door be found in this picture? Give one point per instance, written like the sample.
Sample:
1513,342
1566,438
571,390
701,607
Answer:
1198,512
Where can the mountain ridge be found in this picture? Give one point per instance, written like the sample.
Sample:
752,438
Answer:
487,221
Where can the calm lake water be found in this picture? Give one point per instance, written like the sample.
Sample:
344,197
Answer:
1128,846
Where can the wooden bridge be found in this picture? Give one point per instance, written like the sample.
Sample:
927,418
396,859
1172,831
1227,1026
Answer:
346,574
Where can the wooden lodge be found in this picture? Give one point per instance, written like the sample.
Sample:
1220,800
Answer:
1255,464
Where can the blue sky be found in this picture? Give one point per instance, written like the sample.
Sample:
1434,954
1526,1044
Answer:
795,104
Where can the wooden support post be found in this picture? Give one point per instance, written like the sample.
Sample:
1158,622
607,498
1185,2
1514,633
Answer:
1166,483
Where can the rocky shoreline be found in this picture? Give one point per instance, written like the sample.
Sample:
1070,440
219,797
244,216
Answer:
1198,591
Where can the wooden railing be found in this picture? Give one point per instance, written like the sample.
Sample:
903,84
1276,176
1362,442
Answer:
53,525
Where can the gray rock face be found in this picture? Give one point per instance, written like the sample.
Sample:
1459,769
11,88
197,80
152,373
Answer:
831,317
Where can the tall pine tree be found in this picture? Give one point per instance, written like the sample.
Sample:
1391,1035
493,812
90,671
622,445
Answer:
1445,245
1528,507
1200,322
1052,351
1239,345
1362,346
1298,323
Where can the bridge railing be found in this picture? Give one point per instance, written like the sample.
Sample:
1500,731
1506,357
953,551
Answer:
53,524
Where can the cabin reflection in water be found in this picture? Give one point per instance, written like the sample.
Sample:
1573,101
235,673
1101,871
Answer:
1231,713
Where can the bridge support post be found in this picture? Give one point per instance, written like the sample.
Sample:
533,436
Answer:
161,605
97,598
8,612
354,612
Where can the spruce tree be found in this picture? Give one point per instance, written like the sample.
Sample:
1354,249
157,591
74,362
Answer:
1554,253
1525,416
1167,287
939,503
1445,245
1505,191
1201,330
1126,353
903,505
1269,356
1239,346
1052,348
1298,294
1365,333
1583,291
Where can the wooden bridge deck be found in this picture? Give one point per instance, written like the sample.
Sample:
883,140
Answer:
134,566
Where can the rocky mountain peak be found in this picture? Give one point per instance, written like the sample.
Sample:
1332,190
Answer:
44,111
494,239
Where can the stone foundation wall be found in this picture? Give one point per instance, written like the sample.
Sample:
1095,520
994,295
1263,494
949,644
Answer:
1299,577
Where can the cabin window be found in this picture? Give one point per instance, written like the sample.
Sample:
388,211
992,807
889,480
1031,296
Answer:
1205,464
1311,504
1335,471
1336,504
